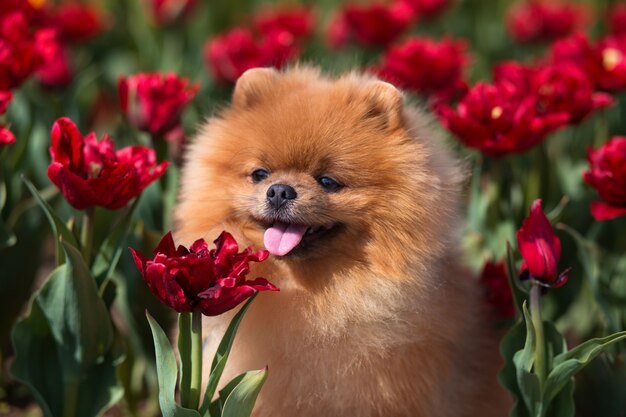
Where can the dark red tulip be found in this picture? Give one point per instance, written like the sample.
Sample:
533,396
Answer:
606,63
155,102
18,55
6,136
369,25
544,20
211,281
540,248
607,175
499,296
498,119
428,8
77,22
616,19
558,87
432,68
167,12
297,23
92,173
230,55
54,70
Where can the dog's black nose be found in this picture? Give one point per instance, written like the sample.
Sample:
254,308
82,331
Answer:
279,194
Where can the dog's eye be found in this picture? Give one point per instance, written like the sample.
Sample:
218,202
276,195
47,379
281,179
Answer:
259,175
329,184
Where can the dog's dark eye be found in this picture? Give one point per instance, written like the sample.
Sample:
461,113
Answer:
259,175
329,184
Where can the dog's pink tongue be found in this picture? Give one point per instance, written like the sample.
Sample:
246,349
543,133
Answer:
281,238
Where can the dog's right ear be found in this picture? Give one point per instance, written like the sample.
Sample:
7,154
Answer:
252,85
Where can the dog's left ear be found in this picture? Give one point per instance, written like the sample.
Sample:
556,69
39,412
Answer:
385,102
252,85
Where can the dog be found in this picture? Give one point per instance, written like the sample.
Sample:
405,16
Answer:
359,203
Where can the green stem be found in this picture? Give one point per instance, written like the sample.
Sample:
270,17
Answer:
70,396
196,359
87,234
540,352
184,350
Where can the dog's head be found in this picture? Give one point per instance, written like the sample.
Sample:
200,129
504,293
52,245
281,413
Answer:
317,169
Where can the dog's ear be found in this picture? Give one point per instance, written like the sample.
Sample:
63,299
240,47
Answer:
252,85
384,103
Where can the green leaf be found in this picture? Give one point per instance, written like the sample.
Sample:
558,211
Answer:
519,295
567,364
512,342
64,347
528,383
108,256
78,318
221,356
7,238
58,226
240,402
563,403
167,373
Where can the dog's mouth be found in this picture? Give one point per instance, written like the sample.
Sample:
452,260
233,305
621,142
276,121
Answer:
281,238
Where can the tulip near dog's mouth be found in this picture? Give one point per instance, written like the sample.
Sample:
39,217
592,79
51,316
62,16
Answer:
283,239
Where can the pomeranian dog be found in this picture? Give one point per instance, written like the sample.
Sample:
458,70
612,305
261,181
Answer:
353,194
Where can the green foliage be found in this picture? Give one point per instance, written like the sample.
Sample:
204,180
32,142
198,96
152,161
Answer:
65,345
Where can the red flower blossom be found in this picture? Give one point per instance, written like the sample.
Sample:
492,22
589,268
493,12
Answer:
369,25
230,55
91,173
427,67
616,19
55,68
498,291
296,23
6,136
544,20
167,12
540,248
428,8
608,176
18,57
77,22
606,63
498,119
211,281
154,102
559,88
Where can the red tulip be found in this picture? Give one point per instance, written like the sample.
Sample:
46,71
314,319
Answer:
55,68
606,63
498,291
6,136
5,99
559,88
498,119
607,175
616,19
167,12
297,23
371,25
154,102
77,22
544,20
230,55
433,68
540,248
211,281
428,8
18,56
91,173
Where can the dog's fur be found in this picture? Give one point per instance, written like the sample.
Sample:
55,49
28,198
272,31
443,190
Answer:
377,319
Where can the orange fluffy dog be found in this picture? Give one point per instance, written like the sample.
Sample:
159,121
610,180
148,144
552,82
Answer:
352,193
